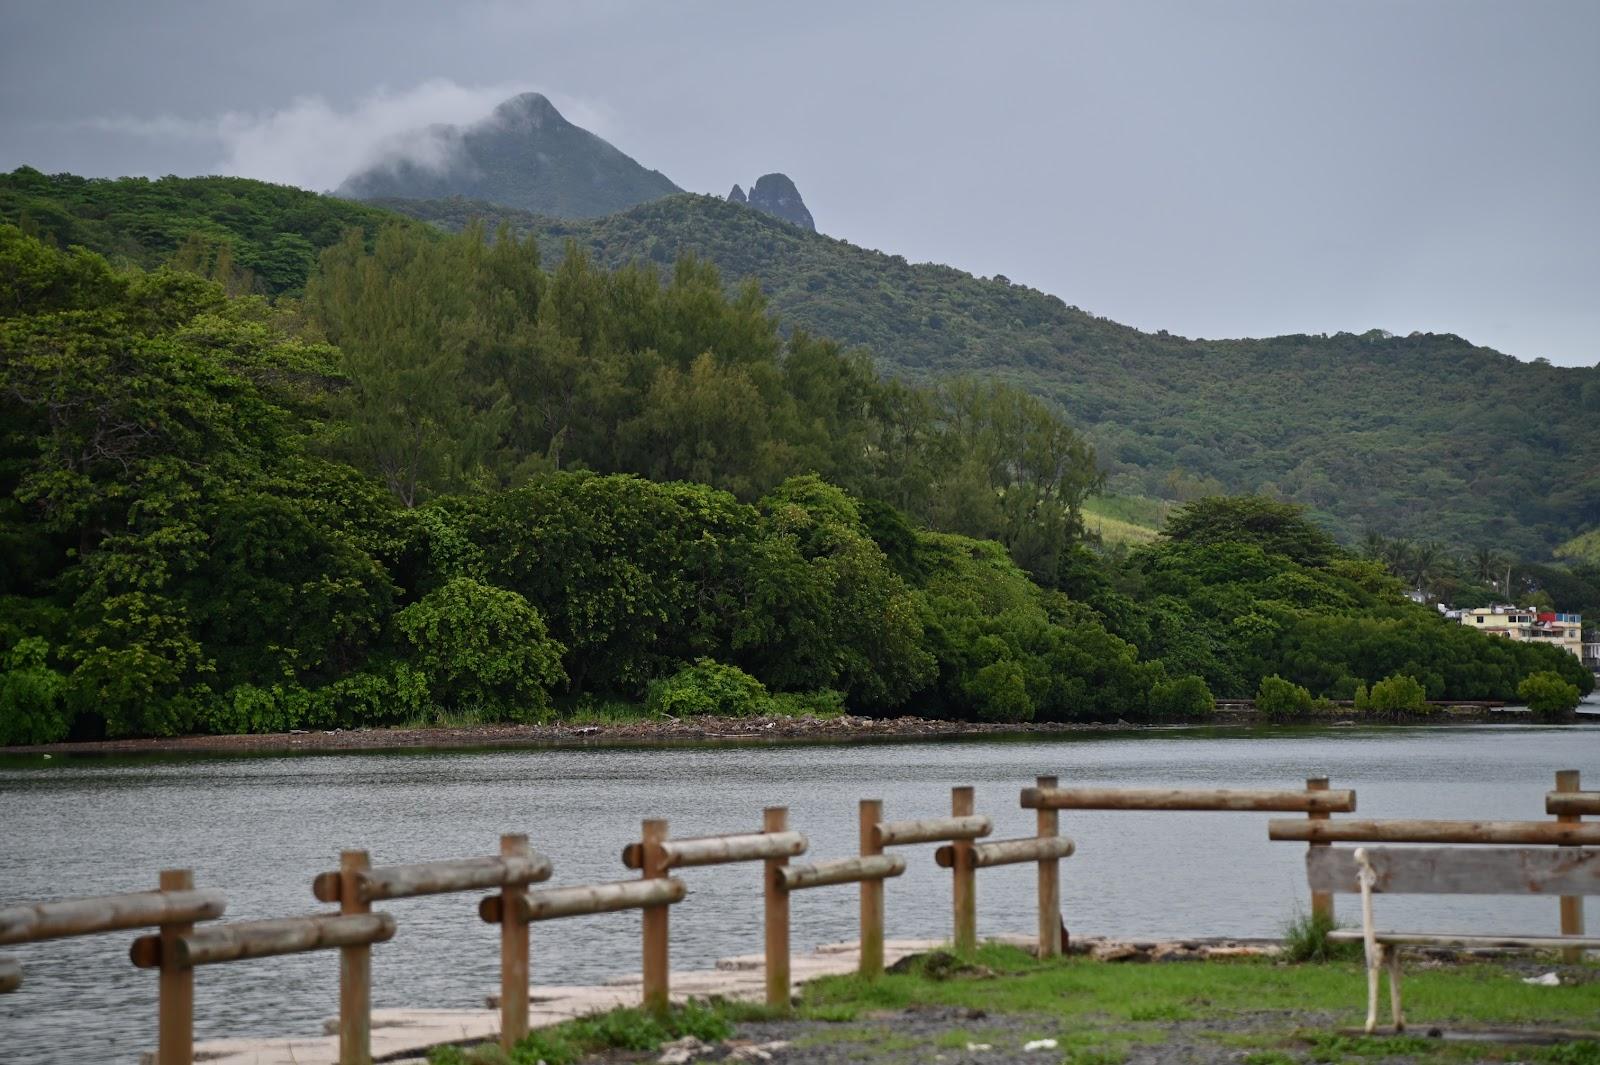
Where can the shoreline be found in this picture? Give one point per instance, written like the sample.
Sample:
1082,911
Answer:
668,733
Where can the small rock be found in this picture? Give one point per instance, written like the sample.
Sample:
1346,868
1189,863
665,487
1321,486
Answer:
1039,1044
682,1051
978,1048
1547,980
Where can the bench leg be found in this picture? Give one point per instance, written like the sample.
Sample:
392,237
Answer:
1374,961
1394,990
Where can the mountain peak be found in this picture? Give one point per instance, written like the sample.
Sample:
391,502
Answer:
524,155
776,195
531,108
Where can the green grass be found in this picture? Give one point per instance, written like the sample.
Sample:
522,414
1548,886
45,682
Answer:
1124,519
1098,1011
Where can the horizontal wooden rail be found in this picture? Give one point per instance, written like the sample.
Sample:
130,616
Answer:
932,830
264,939
547,904
1241,799
1572,802
10,975
436,878
718,850
108,913
1415,831
840,871
1010,851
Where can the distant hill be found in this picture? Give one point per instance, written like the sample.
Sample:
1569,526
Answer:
524,155
273,231
1426,436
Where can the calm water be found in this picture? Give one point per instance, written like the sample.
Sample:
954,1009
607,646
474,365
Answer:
261,827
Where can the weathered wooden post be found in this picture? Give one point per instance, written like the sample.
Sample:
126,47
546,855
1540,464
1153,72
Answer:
776,819
653,866
175,982
513,949
355,968
871,893
1321,901
1049,826
964,875
1568,780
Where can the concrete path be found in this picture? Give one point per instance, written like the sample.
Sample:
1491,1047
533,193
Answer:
406,1035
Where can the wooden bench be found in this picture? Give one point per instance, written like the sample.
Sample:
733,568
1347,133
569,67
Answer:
1451,870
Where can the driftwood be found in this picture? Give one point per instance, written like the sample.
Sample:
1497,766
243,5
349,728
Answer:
264,939
1415,831
841,871
1010,851
108,913
10,975
1279,801
437,878
932,830
547,904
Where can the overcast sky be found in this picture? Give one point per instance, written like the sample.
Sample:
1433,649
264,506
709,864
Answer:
1214,169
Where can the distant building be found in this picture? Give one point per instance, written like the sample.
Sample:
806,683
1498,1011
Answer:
1525,623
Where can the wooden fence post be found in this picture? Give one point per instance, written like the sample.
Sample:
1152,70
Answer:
175,1024
776,819
1321,901
1571,906
1049,826
964,874
355,968
653,867
871,893
513,951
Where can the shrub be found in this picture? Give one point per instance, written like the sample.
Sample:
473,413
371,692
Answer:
708,687
1398,694
1181,699
1306,939
1548,696
824,702
479,646
1281,699
32,696
1363,699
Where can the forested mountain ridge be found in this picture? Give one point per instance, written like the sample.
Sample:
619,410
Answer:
272,234
525,155
1426,435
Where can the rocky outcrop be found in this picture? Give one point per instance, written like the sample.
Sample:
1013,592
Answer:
776,195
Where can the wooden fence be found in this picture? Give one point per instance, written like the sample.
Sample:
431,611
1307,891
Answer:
183,941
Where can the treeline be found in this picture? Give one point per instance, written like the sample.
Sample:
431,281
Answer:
426,488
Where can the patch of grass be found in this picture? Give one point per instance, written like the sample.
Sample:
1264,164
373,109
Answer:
1584,1052
1095,1056
1329,1046
1160,1011
622,1029
1305,939
1269,1057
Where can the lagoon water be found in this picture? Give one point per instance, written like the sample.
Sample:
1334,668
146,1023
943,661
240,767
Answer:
261,826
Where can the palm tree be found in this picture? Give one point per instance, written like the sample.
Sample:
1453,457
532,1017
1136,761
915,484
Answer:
1427,560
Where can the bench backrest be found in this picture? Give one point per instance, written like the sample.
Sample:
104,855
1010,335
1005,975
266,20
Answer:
1459,870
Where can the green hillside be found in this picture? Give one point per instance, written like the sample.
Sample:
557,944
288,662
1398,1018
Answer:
525,155
1426,436
272,231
